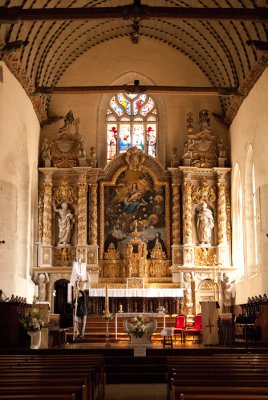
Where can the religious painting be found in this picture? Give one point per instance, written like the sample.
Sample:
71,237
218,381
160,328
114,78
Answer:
135,197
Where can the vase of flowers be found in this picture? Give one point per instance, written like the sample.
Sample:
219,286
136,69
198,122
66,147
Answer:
139,325
140,329
33,323
161,309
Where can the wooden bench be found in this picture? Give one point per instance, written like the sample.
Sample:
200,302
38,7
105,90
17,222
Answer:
217,377
54,371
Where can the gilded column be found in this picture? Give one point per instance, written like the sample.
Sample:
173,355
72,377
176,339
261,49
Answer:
93,215
222,237
47,213
187,226
82,213
176,214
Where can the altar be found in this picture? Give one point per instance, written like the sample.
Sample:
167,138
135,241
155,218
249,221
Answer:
135,300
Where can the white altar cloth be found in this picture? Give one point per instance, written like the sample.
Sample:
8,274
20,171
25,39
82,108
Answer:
150,292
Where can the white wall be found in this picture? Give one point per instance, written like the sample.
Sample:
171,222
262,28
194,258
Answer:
19,139
250,127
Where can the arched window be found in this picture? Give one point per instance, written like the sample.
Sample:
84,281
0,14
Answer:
238,239
250,213
132,120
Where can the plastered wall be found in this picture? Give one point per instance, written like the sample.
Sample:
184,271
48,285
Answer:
250,128
19,140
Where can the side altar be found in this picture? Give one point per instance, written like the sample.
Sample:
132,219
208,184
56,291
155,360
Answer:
135,224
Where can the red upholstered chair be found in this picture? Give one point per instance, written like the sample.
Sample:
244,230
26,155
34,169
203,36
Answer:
180,325
196,329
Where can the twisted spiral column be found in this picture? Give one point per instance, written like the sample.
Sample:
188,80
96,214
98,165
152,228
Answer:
187,226
47,213
176,229
93,214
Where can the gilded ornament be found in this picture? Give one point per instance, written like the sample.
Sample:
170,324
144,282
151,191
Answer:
63,256
205,256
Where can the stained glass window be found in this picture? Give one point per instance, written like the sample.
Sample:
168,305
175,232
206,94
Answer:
132,120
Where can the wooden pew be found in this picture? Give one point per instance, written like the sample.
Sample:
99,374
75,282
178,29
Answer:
216,377
29,368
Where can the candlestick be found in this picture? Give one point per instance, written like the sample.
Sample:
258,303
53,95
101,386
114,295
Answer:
106,299
120,308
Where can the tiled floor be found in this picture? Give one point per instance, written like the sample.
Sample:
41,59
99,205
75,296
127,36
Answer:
136,391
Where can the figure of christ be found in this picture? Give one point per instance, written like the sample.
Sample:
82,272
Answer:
65,223
205,224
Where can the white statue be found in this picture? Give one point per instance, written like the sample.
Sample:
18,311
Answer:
228,287
205,223
65,223
41,280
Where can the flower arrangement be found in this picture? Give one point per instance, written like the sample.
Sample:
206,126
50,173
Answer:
107,315
32,320
160,309
139,325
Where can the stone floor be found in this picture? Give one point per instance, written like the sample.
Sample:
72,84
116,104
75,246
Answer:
136,392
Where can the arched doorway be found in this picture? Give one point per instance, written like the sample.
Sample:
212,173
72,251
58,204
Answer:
63,303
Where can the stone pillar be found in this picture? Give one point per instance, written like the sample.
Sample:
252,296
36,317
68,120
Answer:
46,252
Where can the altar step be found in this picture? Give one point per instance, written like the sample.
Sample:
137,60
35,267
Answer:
96,330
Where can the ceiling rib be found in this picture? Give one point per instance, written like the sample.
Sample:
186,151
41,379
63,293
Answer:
13,15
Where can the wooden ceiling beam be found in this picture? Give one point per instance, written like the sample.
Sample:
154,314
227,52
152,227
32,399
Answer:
137,11
136,88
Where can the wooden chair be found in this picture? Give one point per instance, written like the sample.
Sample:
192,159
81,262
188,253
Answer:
196,330
180,325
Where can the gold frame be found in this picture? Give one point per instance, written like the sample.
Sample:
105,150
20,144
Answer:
112,182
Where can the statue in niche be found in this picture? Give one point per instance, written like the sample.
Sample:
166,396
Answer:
93,153
205,223
65,223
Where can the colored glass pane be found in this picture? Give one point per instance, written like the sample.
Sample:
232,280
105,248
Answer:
147,107
138,136
111,141
151,139
138,103
118,110
124,102
124,137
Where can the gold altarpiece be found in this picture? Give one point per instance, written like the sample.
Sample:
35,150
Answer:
135,223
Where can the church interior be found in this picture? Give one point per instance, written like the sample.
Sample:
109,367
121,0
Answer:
134,186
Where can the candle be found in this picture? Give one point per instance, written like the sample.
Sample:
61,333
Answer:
120,308
106,299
